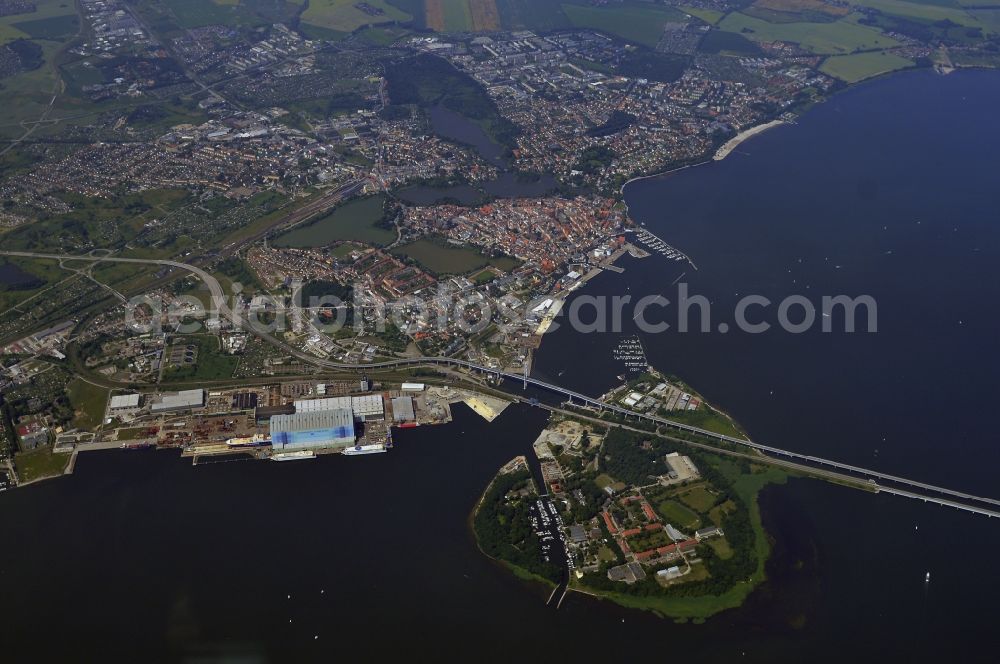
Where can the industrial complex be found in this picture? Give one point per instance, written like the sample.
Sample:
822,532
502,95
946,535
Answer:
282,422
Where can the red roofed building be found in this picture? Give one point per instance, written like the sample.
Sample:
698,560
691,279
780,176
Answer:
610,523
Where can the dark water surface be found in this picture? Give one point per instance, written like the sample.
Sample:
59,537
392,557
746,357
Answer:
890,189
12,276
456,127
140,555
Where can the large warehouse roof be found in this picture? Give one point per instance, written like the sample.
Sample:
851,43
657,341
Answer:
324,428
362,406
123,401
320,419
369,404
329,403
402,409
179,401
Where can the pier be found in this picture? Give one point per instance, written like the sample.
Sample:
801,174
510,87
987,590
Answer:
657,245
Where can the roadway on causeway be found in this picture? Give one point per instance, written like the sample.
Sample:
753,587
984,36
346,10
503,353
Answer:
851,472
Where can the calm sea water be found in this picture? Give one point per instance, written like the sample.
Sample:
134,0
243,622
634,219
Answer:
140,555
891,189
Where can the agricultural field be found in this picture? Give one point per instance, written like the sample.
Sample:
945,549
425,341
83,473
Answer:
532,14
920,10
26,96
52,20
840,37
710,16
988,18
857,67
199,13
346,16
638,23
795,11
462,15
441,258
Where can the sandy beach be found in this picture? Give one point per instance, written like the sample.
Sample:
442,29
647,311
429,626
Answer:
733,142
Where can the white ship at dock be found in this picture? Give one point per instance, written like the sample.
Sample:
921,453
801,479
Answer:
365,449
294,456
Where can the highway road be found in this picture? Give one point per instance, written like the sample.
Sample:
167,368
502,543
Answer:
906,486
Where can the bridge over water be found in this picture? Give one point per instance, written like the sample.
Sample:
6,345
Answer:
893,484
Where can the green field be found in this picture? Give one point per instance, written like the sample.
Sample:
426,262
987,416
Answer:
50,17
199,13
26,96
988,18
706,418
382,36
89,403
857,67
603,481
457,16
352,221
532,14
55,28
699,499
483,277
678,515
343,16
843,36
721,547
40,463
441,258
707,15
637,23
920,10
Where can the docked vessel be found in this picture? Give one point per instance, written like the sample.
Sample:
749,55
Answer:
258,440
365,449
140,445
294,456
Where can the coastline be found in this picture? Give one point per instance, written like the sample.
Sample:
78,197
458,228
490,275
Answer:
721,153
638,178
516,570
727,148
